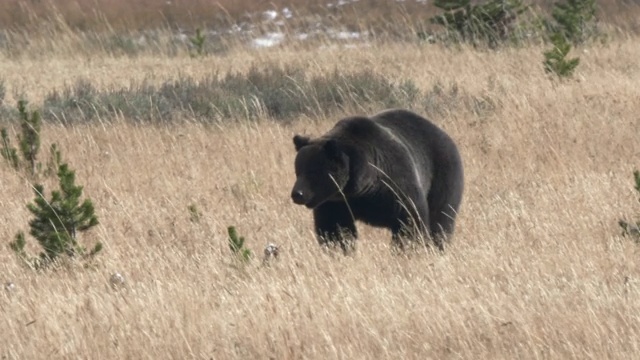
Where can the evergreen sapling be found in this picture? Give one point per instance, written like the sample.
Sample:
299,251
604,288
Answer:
236,244
197,41
630,228
30,139
575,19
8,152
556,61
58,221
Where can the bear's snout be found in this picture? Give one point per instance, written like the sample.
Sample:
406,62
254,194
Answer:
297,196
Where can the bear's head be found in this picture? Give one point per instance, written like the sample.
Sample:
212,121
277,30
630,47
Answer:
322,171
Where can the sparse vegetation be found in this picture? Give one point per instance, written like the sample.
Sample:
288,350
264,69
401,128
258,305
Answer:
271,91
489,22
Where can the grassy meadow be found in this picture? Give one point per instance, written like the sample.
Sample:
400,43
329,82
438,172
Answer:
538,268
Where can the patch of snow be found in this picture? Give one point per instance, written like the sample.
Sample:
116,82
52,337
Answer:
182,37
342,3
268,40
270,15
345,35
287,13
235,28
142,40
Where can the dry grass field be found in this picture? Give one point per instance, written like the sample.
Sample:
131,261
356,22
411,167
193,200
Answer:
537,269
123,15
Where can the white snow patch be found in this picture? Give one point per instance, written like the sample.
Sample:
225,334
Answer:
342,3
270,15
268,40
182,37
347,35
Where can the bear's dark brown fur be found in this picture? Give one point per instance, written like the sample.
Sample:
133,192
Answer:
394,169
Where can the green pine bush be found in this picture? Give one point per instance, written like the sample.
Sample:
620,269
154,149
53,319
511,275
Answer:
28,140
630,228
58,220
236,244
575,20
9,152
491,22
197,41
555,60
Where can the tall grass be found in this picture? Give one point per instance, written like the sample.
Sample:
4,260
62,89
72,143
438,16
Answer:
119,15
537,269
163,28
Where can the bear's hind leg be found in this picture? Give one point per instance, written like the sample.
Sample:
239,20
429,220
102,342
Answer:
335,224
444,201
441,227
411,228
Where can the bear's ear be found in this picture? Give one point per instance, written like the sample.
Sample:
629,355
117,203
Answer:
332,149
300,141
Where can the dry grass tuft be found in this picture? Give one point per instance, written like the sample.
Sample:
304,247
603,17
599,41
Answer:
537,270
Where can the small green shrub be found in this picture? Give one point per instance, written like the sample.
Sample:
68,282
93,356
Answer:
236,244
491,22
9,152
194,213
630,228
58,221
575,20
29,143
555,60
3,91
55,159
28,139
197,42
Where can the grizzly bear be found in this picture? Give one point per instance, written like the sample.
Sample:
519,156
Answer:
394,169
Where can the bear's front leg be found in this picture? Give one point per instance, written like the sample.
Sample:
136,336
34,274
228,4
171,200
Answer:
335,224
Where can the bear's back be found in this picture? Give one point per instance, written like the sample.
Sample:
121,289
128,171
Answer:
419,134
